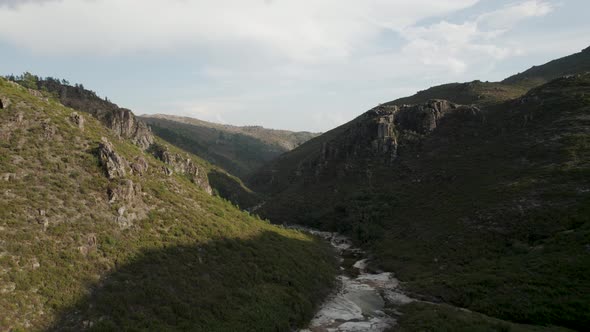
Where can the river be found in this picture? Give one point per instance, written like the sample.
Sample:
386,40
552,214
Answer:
364,300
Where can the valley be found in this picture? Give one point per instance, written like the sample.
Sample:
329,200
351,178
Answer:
465,207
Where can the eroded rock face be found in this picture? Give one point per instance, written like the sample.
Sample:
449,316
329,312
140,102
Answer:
378,137
183,165
125,124
114,165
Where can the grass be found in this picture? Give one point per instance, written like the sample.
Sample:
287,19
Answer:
187,255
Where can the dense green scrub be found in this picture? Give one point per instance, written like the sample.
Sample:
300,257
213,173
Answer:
186,261
490,212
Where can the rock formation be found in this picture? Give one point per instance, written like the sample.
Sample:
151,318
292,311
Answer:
78,120
114,165
4,102
139,166
183,165
125,124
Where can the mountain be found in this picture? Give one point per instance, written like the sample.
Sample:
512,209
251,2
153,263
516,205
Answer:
486,93
105,227
239,150
484,206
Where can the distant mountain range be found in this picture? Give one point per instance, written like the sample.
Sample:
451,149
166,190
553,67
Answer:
239,150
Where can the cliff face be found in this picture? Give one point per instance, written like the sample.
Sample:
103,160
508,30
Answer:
377,137
124,123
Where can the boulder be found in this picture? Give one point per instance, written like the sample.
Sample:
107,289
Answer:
139,166
78,120
4,102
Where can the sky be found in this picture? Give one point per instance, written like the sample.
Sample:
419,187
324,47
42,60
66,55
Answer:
287,64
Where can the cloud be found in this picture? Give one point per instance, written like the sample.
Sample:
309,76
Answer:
302,30
505,18
16,3
459,46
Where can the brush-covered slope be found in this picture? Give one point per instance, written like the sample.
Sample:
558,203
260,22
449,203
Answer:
98,233
487,93
239,150
125,124
487,209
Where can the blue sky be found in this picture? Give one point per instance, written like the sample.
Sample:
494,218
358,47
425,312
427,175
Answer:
289,64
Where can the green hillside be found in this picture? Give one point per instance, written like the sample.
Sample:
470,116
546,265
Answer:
99,232
485,208
239,150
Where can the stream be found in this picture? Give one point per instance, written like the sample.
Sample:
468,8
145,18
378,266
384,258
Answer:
363,300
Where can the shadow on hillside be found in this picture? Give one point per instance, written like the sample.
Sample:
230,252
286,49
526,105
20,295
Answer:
266,283
232,189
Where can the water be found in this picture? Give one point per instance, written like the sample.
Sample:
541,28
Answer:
361,302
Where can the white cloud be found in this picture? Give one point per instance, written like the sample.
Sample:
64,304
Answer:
460,46
505,18
302,30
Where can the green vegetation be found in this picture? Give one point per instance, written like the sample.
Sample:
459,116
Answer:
426,317
476,92
489,212
238,150
163,256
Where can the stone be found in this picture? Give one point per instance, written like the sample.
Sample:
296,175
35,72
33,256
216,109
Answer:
114,165
125,124
49,130
139,166
127,192
181,164
8,176
78,120
4,102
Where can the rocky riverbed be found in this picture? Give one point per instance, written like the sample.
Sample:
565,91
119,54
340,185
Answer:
364,301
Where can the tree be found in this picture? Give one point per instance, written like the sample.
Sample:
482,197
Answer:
29,80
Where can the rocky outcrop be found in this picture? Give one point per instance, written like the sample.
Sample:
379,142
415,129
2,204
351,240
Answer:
114,165
120,120
183,165
126,192
4,102
125,124
77,120
49,130
391,125
378,137
139,166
